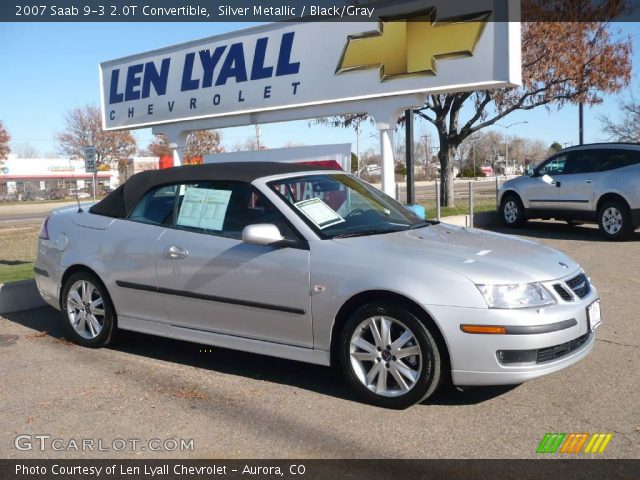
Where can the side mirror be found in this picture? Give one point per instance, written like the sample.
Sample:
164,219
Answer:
531,172
418,210
547,179
261,234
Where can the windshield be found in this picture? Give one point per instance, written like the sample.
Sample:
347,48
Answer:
340,205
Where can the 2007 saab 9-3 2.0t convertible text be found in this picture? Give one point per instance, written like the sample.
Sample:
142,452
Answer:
310,264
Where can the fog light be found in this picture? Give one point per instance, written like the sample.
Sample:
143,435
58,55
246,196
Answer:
511,357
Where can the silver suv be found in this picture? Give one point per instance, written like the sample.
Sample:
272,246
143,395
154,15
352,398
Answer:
588,183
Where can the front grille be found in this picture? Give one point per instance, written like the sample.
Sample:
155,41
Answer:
564,294
552,353
580,285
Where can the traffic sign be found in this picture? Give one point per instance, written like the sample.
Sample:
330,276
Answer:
90,163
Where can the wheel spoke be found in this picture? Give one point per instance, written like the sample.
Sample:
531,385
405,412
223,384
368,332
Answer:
94,325
405,370
399,378
381,386
81,323
373,326
364,356
363,345
407,352
372,373
76,298
401,340
94,307
385,332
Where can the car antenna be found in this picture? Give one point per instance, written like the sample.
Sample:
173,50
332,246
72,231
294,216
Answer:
73,177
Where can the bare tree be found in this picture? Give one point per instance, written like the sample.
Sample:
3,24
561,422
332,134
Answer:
4,143
627,129
26,150
199,143
249,143
83,128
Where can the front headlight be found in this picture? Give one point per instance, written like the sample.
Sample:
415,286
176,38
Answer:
521,295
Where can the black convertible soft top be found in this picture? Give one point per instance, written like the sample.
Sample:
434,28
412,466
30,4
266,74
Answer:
124,198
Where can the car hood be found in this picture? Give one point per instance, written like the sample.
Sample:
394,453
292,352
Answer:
481,256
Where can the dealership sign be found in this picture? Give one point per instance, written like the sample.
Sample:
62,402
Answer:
288,65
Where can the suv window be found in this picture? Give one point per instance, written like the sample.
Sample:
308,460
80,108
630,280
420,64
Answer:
612,159
224,208
583,161
553,166
156,207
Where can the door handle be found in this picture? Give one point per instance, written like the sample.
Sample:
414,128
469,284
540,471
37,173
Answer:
588,181
558,184
175,252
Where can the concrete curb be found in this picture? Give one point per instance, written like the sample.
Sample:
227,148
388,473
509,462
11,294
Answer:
17,296
481,219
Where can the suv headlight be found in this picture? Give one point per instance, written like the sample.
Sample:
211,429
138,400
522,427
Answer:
519,295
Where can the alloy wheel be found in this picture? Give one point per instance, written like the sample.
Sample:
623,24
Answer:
385,356
510,211
612,220
85,309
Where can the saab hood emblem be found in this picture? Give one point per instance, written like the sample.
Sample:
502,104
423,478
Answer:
411,45
563,265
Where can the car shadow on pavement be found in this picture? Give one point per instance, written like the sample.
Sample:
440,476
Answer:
316,378
557,231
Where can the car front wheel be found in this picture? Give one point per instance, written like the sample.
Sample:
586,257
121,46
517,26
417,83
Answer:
89,313
614,221
512,212
389,356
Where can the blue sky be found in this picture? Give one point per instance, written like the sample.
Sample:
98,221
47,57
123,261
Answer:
50,68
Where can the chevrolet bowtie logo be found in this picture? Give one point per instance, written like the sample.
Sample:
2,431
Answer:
411,46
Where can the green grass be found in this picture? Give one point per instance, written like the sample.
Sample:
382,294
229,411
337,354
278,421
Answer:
13,273
17,252
461,208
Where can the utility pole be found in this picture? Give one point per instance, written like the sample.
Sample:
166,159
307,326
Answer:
358,149
258,132
581,122
408,116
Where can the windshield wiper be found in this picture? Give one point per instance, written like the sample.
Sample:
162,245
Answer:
425,223
362,233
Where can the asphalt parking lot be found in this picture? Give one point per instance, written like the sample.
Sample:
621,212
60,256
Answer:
236,404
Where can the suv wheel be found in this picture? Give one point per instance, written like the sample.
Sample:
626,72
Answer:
389,356
512,211
89,313
614,220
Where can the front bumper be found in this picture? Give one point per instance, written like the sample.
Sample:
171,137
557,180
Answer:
474,359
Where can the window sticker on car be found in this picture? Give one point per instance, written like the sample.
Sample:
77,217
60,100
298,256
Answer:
319,212
204,208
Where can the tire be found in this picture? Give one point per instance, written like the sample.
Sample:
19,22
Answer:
614,220
85,322
512,211
379,374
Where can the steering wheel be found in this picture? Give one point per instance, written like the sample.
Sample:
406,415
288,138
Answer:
355,211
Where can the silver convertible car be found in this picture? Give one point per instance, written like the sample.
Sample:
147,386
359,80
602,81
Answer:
314,265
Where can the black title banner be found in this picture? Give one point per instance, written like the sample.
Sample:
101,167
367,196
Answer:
318,469
290,10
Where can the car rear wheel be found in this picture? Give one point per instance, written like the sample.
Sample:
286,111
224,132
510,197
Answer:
512,211
614,221
88,311
389,356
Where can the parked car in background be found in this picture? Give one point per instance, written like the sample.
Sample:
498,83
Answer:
587,183
314,265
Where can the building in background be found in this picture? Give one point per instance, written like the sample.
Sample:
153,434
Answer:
27,178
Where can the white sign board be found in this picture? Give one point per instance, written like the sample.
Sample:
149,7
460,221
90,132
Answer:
287,65
90,162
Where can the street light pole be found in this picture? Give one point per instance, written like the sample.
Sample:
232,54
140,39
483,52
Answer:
506,139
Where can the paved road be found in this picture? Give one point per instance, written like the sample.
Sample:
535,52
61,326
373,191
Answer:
27,212
241,405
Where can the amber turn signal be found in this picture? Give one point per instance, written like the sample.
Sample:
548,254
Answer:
486,329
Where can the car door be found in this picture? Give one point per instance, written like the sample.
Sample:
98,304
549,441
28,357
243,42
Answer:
542,191
131,256
211,280
576,186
